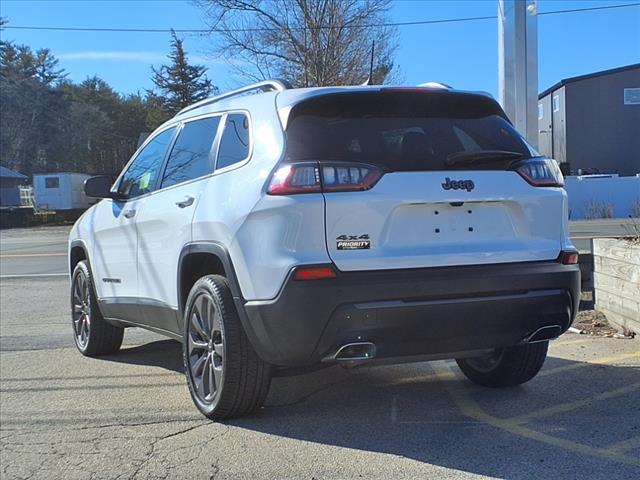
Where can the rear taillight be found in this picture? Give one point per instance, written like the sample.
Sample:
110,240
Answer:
541,172
342,177
569,257
295,178
317,177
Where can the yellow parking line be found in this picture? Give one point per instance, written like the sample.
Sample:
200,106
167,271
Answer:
599,361
570,342
429,377
471,409
624,445
567,407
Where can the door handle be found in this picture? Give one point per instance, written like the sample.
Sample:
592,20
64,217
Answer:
129,213
187,202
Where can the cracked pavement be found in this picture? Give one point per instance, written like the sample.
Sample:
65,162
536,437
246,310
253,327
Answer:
129,415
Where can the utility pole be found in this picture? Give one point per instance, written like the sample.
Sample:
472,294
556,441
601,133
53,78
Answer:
518,64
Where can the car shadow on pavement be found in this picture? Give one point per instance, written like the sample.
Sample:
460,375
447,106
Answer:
569,422
574,420
165,354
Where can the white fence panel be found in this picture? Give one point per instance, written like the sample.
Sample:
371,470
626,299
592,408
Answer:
603,196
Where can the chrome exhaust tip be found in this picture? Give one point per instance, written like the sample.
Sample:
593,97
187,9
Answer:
357,351
544,333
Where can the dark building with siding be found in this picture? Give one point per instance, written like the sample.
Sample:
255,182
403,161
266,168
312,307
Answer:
593,121
10,182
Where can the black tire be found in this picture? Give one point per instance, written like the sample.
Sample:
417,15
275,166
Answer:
92,334
506,367
232,380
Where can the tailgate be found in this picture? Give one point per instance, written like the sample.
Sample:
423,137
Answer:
410,220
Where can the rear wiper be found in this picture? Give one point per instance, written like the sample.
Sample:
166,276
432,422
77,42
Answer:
481,156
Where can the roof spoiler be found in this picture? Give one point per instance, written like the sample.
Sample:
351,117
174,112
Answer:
263,87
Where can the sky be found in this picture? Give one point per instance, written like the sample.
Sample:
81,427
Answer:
464,54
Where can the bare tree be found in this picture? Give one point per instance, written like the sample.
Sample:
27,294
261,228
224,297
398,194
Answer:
306,42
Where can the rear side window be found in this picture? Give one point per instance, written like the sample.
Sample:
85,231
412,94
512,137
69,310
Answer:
402,131
141,176
191,155
234,145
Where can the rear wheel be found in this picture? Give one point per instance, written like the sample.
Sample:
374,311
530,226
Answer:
506,367
91,332
226,377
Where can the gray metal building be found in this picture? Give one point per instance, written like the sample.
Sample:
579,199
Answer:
593,121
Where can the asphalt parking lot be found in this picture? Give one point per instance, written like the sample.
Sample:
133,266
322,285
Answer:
130,416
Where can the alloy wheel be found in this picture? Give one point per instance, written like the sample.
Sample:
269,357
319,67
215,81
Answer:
206,348
81,318
487,362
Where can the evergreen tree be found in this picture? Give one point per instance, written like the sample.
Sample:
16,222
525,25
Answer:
49,123
181,84
30,106
46,67
17,62
20,62
156,111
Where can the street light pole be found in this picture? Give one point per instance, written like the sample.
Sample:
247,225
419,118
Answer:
518,64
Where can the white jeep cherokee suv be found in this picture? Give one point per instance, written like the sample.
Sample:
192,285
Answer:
346,224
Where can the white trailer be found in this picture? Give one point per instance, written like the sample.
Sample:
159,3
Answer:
61,191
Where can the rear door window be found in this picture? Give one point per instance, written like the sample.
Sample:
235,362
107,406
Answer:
402,131
234,145
191,156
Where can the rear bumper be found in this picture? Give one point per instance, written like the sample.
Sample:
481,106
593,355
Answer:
406,313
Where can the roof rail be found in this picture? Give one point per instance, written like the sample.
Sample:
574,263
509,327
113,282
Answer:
264,86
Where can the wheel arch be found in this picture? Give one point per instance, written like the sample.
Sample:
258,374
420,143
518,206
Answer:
205,258
78,251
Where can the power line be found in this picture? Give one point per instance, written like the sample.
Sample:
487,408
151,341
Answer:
255,29
258,29
589,9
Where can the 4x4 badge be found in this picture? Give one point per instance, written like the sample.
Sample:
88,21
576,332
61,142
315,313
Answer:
353,242
449,184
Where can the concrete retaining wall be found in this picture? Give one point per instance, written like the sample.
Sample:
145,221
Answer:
617,281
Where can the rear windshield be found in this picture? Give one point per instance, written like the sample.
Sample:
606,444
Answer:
403,130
